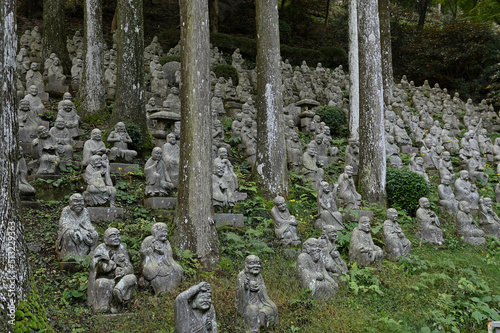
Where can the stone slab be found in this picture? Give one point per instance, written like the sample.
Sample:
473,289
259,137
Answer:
122,168
409,150
105,213
355,214
26,148
46,177
240,196
160,203
233,220
56,88
30,205
490,157
78,145
44,96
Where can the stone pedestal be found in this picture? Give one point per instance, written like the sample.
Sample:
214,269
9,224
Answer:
233,220
122,168
409,150
239,196
105,214
160,203
355,214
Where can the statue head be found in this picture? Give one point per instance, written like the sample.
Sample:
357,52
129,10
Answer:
392,214
446,180
295,137
67,96
24,105
219,169
42,132
280,203
67,105
349,170
156,154
96,161
424,202
464,174
120,127
222,153
76,203
464,206
364,224
311,247
171,139
112,237
486,201
390,139
34,66
329,232
33,90
152,101
252,264
203,299
112,66
325,187
311,149
60,123
160,231
96,134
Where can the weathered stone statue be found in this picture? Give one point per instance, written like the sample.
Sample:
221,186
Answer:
294,150
310,162
312,271
488,220
94,146
327,208
26,191
476,168
72,119
100,188
171,156
28,121
463,187
194,311
467,227
76,235
159,268
56,74
35,101
35,78
158,182
44,149
252,300
222,197
285,224
334,264
396,243
429,228
352,155
392,153
229,177
362,250
112,282
417,166
445,166
447,200
120,140
348,196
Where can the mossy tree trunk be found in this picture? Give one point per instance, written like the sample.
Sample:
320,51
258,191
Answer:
92,89
130,99
194,225
372,164
271,167
353,69
14,265
386,49
54,33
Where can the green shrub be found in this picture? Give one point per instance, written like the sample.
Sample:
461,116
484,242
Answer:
335,118
404,189
227,44
136,135
334,56
296,55
285,32
169,38
226,71
164,60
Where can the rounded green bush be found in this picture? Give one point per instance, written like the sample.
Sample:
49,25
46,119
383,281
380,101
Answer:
334,56
226,71
166,59
335,118
404,189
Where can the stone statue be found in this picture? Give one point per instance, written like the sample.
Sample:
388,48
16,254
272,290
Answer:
35,101
100,189
72,119
445,166
252,300
26,191
396,244
352,155
334,264
94,146
312,271
348,196
417,166
120,140
229,177
476,168
447,199
285,224
35,78
488,220
28,121
362,250
327,208
237,125
429,228
467,227
194,312
310,161
463,187
63,139
158,183
44,149
76,235
56,74
222,196
158,266
171,156
392,153
112,282
294,150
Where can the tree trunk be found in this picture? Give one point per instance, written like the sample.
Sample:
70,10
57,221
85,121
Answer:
327,11
372,164
271,168
92,89
386,50
130,105
113,22
194,225
14,265
54,33
422,11
353,70
214,15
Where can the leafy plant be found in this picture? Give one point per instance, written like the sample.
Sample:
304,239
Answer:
226,71
404,189
335,118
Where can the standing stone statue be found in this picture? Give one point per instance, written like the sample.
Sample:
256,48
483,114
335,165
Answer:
45,152
94,146
72,119
362,249
120,140
35,101
222,196
158,182
312,271
294,150
348,196
352,155
158,266
447,200
327,208
252,300
429,228
285,224
334,264
112,282
76,235
171,156
63,139
488,220
396,244
194,311
26,191
100,188
229,177
28,121
467,227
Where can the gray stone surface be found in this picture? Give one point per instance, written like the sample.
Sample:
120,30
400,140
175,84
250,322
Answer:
233,220
194,311
362,250
409,150
160,203
285,224
105,213
396,243
429,227
355,214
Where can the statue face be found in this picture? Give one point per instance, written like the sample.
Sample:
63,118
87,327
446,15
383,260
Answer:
60,124
348,170
202,300
487,202
120,127
364,224
220,170
42,132
392,215
253,266
33,90
326,188
161,234
446,180
68,107
152,102
34,66
113,239
24,106
282,206
425,203
223,153
332,235
464,175
465,207
76,204
311,151
171,139
314,251
97,162
96,135
157,154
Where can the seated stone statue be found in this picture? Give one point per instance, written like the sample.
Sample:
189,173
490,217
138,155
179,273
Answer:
229,177
35,78
222,197
26,191
488,220
76,235
171,156
476,168
445,166
100,189
44,149
94,146
35,101
362,250
334,264
252,300
352,155
396,243
56,73
158,183
392,153
429,228
112,282
417,166
158,266
463,187
310,162
312,271
467,227
28,121
447,200
194,311
63,138
349,198
72,119
327,208
285,224
294,150
120,140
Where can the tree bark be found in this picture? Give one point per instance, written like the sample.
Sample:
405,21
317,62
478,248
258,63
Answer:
130,105
422,11
92,88
14,265
372,164
214,15
194,225
271,168
54,33
327,11
353,70
386,49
